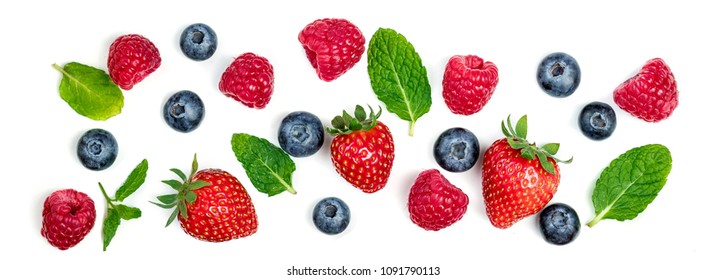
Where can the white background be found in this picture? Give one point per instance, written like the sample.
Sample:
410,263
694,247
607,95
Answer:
678,235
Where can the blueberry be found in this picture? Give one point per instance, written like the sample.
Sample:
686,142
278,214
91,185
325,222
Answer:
198,41
97,149
331,215
559,223
558,74
597,120
184,111
300,134
456,149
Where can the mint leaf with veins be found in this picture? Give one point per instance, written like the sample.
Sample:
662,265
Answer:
268,167
398,76
631,182
89,91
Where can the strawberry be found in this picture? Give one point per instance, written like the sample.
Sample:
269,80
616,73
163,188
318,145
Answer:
518,178
434,203
362,149
650,95
211,205
249,79
468,83
333,46
68,216
131,58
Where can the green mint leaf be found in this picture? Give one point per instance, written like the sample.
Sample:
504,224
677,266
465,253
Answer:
631,182
268,167
89,91
110,224
127,212
398,76
133,181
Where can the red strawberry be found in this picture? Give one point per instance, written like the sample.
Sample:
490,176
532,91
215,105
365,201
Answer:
68,216
650,95
518,178
469,83
434,203
333,46
362,149
131,58
211,205
250,80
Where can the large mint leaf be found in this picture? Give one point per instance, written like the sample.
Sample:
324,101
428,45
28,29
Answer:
90,91
268,167
631,182
398,76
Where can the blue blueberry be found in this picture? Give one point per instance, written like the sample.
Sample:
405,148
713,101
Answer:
559,223
558,74
97,149
300,134
597,120
184,111
331,215
198,41
456,149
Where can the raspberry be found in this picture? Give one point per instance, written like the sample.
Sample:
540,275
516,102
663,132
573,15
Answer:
333,46
131,58
468,83
249,80
434,203
650,95
68,216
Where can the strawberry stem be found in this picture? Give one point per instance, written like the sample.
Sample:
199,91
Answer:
517,138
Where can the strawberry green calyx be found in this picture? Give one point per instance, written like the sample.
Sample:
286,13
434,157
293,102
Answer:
185,193
517,139
347,124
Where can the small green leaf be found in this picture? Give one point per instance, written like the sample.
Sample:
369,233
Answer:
176,185
173,216
89,91
128,213
198,184
355,125
360,113
179,173
630,183
546,164
268,167
528,153
133,181
168,198
551,148
182,207
398,76
110,225
506,131
190,197
521,128
165,206
338,123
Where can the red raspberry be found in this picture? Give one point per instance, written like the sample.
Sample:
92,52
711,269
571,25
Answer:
434,203
131,58
68,216
469,83
650,95
250,80
333,46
